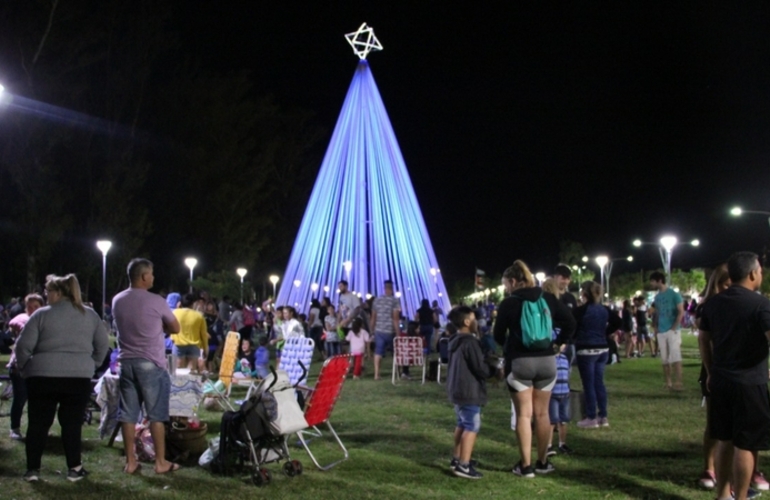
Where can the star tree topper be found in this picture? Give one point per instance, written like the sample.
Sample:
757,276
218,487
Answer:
363,41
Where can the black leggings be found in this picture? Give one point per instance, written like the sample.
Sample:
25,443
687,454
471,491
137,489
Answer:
70,395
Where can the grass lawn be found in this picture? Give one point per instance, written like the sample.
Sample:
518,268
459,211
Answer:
400,441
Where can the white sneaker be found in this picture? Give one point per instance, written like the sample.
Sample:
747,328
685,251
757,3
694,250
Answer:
588,423
15,434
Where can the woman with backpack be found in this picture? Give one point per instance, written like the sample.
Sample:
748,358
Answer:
524,326
595,323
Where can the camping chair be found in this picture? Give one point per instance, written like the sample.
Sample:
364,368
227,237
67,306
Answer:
296,350
321,401
443,356
408,351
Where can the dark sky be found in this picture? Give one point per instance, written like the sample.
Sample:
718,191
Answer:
523,124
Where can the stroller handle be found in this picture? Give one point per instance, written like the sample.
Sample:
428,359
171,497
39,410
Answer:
275,377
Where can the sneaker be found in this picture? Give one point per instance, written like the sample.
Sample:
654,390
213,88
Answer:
565,450
467,471
76,475
32,476
405,376
551,451
752,493
544,468
15,434
603,422
455,462
588,423
707,480
759,482
522,471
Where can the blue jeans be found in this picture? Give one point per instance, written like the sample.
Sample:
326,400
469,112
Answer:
591,369
142,381
426,331
19,398
333,348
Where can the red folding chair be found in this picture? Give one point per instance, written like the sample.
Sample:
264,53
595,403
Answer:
320,404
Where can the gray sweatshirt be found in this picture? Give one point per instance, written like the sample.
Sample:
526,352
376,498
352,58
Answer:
60,341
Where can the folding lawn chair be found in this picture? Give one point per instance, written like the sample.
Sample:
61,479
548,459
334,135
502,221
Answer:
296,350
229,355
443,356
408,351
320,404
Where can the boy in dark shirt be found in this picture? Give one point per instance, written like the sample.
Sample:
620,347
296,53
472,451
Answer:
466,387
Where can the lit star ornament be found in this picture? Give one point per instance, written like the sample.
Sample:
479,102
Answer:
363,41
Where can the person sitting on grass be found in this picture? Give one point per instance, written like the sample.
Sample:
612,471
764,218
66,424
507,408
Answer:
467,390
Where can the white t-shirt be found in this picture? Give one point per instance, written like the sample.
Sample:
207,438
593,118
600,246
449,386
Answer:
358,342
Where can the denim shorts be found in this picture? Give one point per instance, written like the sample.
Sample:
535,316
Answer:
187,351
143,382
383,342
468,417
558,409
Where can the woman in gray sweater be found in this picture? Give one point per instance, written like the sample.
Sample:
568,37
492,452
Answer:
58,351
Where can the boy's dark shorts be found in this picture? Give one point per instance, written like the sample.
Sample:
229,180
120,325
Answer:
740,413
558,409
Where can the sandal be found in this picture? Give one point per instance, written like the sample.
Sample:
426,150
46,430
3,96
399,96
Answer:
172,468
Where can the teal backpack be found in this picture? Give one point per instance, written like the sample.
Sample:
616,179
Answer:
536,324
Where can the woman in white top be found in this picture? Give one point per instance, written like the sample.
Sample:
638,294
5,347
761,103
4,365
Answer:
289,328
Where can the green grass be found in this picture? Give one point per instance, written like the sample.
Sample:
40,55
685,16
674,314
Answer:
400,441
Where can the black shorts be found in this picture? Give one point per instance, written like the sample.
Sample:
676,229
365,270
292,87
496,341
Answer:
740,413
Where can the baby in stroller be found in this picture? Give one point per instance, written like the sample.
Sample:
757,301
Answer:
256,433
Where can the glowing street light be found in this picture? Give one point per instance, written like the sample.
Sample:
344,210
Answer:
104,246
241,272
191,262
314,288
274,279
602,261
738,211
297,283
347,265
540,278
666,247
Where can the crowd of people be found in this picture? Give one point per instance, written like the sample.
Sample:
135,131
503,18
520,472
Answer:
543,331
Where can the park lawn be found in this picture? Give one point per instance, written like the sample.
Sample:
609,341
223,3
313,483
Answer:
400,441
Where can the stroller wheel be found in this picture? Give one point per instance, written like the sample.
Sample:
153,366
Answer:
289,470
261,477
297,466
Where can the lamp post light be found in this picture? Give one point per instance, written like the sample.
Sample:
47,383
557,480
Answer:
738,211
602,261
191,262
630,258
104,246
241,272
274,279
297,283
666,247
540,278
314,288
348,265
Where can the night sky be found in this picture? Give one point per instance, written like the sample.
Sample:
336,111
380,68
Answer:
526,124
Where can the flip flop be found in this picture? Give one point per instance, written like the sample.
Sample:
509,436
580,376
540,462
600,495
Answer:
173,467
135,471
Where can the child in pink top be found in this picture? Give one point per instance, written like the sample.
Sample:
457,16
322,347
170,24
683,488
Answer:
359,345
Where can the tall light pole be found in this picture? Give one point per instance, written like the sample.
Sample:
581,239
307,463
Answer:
274,280
602,261
540,278
191,262
348,265
630,258
738,211
666,248
104,246
314,288
241,272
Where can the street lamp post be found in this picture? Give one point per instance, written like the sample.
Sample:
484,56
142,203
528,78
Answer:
241,272
630,258
602,261
540,278
314,288
191,262
274,279
666,248
348,265
104,246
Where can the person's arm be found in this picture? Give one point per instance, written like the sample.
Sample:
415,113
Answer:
475,359
204,335
500,329
679,317
27,341
311,318
368,344
101,343
373,320
396,317
614,323
706,349
170,323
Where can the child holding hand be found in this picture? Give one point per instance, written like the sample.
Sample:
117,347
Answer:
359,346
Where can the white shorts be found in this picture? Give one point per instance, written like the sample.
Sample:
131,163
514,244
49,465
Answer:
669,344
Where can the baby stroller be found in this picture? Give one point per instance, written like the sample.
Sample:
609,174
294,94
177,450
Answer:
256,433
